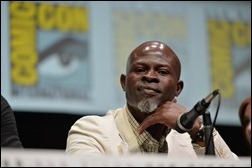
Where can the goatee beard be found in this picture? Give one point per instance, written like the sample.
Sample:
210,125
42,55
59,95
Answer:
146,106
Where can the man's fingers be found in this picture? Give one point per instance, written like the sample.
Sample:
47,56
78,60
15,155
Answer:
146,123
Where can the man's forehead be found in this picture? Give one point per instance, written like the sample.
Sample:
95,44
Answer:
155,56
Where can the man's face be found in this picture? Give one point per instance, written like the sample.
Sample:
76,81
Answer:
151,79
247,122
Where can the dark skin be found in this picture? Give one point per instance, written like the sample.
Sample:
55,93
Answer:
153,74
245,118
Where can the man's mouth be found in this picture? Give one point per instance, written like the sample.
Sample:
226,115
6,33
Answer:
148,90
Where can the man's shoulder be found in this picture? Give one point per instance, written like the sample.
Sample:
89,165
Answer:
100,120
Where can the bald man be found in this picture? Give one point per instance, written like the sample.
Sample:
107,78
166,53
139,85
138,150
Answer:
146,123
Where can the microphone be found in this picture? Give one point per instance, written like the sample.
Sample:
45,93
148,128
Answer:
186,120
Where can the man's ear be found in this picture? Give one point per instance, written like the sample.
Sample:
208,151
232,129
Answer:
122,81
180,86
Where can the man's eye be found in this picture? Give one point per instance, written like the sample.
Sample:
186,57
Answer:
140,70
162,72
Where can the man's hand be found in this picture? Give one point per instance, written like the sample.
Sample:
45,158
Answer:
166,114
197,134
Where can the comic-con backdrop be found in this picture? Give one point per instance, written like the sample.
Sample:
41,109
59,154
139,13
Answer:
67,56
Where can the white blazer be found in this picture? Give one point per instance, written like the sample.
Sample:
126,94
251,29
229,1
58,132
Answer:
112,134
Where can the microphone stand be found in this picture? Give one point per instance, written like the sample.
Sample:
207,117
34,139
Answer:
209,143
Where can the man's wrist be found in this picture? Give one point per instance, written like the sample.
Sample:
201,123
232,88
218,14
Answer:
199,137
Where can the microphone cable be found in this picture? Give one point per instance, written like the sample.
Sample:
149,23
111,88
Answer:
214,121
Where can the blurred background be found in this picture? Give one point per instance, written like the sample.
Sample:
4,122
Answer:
61,60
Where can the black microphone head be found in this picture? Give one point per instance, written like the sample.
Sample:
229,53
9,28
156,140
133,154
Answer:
186,121
216,92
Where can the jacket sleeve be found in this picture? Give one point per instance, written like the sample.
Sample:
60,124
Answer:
9,132
221,148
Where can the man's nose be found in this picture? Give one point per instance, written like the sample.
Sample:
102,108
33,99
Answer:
151,76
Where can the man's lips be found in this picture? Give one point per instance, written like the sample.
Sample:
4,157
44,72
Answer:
148,90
